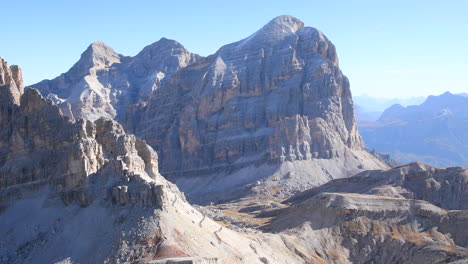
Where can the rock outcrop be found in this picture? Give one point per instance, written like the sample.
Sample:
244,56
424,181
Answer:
443,187
11,82
383,216
359,228
264,105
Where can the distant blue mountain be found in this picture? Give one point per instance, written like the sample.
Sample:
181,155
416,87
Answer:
435,132
368,108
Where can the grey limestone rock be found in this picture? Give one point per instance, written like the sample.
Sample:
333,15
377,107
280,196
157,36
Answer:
444,187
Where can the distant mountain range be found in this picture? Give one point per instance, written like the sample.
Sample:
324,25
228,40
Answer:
434,132
369,108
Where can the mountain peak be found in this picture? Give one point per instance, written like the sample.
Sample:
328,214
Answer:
283,23
168,41
98,44
445,99
98,54
164,55
11,81
278,28
101,54
163,43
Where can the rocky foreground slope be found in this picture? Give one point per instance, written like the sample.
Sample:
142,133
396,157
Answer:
87,192
384,216
272,106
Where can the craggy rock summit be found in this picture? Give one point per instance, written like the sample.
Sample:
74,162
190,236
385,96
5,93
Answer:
103,83
11,82
87,192
275,103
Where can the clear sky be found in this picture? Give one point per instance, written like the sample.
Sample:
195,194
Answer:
386,48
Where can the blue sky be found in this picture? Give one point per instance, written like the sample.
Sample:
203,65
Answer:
386,48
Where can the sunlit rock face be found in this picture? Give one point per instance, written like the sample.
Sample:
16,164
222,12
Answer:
104,83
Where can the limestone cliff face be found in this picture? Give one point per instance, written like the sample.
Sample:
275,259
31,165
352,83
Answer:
278,95
274,97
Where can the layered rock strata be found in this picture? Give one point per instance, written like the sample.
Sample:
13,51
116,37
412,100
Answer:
383,217
274,100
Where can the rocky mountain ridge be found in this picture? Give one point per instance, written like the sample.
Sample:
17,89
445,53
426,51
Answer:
104,83
275,102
